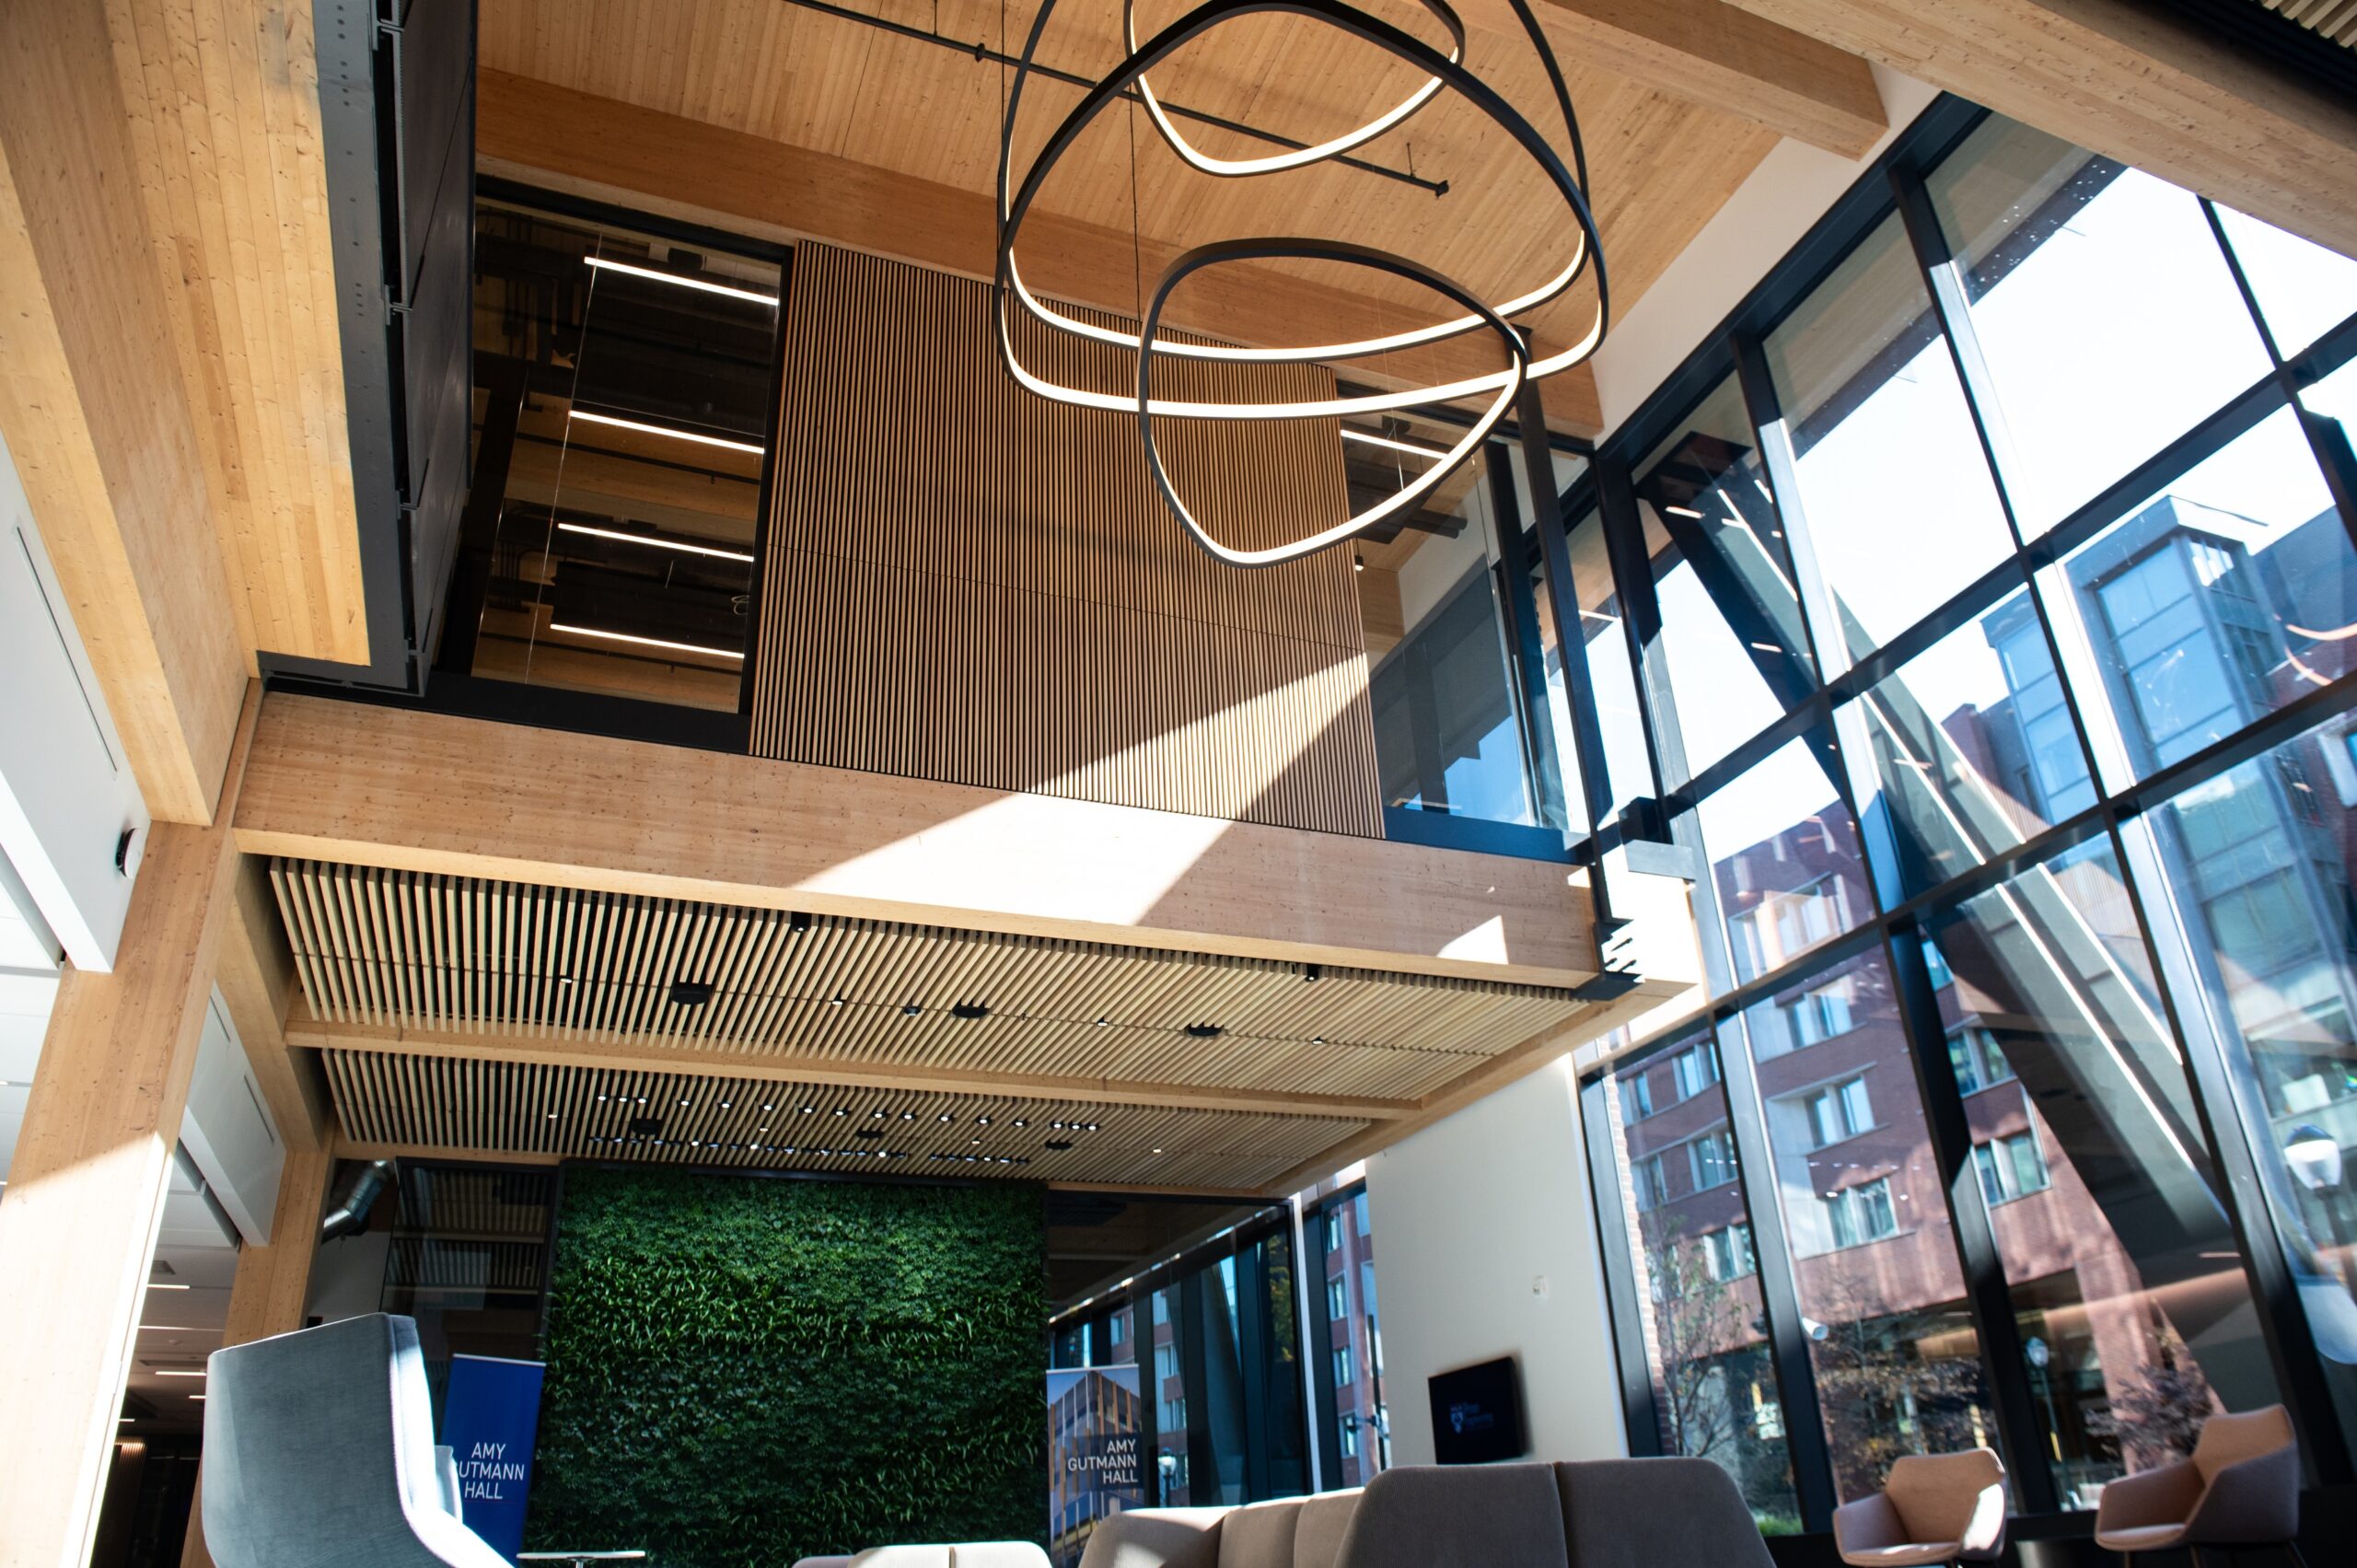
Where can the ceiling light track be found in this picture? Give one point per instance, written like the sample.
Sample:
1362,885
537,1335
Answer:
982,54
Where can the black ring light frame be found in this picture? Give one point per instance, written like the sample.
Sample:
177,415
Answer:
1444,71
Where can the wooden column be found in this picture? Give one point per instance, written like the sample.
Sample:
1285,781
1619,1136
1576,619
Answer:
84,1199
267,1295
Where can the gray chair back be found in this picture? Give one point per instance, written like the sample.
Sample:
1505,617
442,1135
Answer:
318,1452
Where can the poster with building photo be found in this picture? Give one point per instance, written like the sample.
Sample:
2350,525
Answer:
1096,1440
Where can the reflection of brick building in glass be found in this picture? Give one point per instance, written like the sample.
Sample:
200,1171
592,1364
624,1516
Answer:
1085,1422
2122,1270
1353,1342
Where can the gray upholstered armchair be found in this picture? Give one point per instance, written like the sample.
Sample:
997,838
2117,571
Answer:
1933,1508
318,1452
2240,1488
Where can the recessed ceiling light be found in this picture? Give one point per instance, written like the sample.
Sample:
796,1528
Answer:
834,1001
910,1010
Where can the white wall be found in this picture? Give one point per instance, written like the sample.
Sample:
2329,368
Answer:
1795,185
1470,1215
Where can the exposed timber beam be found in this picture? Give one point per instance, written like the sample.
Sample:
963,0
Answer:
1711,54
97,418
257,982
2142,83
540,1051
556,136
394,787
84,1199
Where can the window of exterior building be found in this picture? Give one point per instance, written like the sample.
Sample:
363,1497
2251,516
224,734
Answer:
1711,1160
2101,303
1883,447
1338,1297
1978,1061
1705,1349
1694,1070
1859,1214
1840,1111
1636,1096
1343,1364
2011,1166
1653,1181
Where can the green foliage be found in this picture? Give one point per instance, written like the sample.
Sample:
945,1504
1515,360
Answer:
742,1372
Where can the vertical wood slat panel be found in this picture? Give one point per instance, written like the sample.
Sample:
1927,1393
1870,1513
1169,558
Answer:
969,583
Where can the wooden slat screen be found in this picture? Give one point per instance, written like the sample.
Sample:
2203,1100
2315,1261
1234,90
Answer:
965,582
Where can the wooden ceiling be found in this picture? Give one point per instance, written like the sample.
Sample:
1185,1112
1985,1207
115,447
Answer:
472,1016
796,78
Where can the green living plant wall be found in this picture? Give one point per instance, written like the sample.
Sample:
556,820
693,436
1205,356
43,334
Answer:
744,1371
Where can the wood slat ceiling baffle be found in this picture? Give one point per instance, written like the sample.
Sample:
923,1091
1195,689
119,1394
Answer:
521,1109
2335,19
1661,167
969,583
500,959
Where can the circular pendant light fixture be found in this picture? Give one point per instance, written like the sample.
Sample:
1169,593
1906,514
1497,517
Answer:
1466,311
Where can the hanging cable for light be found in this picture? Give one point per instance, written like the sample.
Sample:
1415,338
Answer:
1015,199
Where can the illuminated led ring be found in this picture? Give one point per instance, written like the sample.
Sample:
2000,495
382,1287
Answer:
1300,158
1015,209
1222,251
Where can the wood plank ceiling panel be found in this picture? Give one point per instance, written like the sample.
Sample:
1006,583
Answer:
967,583
463,958
1661,165
396,1099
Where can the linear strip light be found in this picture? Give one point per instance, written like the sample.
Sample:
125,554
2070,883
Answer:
700,439
658,543
177,1372
644,642
684,282
1368,438
160,1284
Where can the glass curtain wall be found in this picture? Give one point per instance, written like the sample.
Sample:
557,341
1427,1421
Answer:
1216,1336
1987,597
1346,1341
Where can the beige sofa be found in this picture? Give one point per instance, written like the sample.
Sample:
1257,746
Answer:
1600,1514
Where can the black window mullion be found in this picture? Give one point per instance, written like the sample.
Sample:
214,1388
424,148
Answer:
1632,584
1985,1289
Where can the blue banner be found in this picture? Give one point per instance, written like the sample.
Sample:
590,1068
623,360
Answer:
490,1420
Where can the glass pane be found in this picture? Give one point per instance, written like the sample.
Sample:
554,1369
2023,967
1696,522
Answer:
1731,619
1784,859
1883,445
1972,748
1348,1318
2103,307
2215,602
624,392
2334,397
1565,806
468,1262
2303,289
2124,1273
1698,1280
1168,1381
1449,716
1609,667
2257,870
1881,1296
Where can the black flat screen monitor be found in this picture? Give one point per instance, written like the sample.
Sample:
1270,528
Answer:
1477,1414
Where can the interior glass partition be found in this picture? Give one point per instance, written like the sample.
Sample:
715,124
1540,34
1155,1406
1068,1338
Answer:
2024,869
468,1260
625,384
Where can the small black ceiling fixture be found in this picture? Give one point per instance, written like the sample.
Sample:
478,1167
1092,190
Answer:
1060,1143
970,1010
868,1132
1205,1032
691,992
798,921
1313,971
910,1010
646,1126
